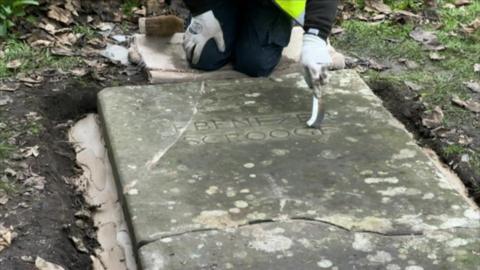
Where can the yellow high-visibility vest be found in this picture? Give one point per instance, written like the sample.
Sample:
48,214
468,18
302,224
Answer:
294,8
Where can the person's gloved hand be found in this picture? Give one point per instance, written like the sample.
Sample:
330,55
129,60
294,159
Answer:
201,29
315,56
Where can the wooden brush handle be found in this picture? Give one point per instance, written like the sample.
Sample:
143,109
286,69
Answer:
162,26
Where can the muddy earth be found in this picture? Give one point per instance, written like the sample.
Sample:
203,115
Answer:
48,220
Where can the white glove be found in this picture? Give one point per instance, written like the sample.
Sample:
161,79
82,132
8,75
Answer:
315,56
202,28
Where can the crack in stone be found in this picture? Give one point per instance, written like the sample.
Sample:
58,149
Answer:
387,234
156,158
292,219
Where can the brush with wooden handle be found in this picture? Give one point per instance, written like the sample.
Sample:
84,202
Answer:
161,26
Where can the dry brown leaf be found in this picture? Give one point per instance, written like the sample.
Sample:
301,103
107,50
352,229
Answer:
14,64
436,56
79,244
471,105
3,197
41,43
428,39
32,79
413,86
4,100
6,237
403,16
377,6
30,151
36,181
408,63
59,14
47,26
79,72
472,27
434,118
449,6
9,87
337,30
73,6
67,39
459,3
42,264
376,66
474,86
62,51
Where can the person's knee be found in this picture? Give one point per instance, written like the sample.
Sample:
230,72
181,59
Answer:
258,64
211,58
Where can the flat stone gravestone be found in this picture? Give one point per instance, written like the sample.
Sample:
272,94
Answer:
225,174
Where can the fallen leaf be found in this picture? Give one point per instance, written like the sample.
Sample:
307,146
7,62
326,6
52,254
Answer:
335,30
42,264
376,66
9,87
41,43
427,38
459,3
62,51
73,6
378,17
413,86
10,172
408,63
449,6
472,27
140,11
14,64
32,79
464,140
404,17
378,6
4,100
434,118
6,237
79,72
59,14
79,244
30,151
35,181
26,258
470,105
67,39
474,86
48,26
436,56
3,197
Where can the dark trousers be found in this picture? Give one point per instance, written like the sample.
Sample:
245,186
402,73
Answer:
255,34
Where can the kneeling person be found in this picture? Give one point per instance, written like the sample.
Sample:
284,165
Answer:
253,33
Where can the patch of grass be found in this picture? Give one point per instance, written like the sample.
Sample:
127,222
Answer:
387,42
129,5
454,149
32,59
88,32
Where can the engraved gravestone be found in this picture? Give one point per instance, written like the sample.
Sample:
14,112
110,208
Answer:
225,175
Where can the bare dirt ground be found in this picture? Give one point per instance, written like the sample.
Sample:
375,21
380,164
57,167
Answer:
47,220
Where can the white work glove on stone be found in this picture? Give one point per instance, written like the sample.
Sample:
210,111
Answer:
201,29
315,55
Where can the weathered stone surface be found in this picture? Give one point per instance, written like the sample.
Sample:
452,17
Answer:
221,156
